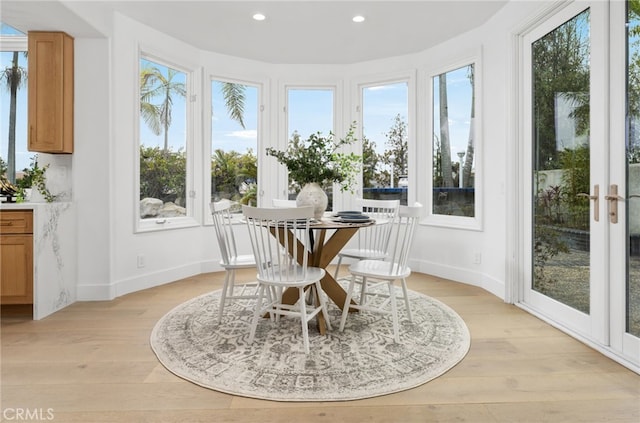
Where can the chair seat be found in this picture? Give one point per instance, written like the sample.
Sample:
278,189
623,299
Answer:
379,269
313,274
363,254
243,261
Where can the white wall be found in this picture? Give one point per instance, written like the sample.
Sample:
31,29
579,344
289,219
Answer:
91,166
168,254
106,143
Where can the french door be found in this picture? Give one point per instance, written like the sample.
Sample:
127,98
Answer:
581,119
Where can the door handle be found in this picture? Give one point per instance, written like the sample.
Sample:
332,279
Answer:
613,199
596,201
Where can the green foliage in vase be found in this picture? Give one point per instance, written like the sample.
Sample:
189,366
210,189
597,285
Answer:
35,177
317,159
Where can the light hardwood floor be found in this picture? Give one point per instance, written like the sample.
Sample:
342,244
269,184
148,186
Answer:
91,362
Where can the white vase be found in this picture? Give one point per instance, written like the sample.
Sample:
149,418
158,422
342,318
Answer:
313,195
36,196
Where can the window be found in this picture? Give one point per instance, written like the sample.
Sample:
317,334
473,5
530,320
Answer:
234,142
163,133
454,144
309,111
16,160
385,136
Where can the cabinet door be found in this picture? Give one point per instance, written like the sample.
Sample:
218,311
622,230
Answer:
50,92
16,269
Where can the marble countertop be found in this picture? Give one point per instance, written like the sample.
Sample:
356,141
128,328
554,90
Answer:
26,205
17,206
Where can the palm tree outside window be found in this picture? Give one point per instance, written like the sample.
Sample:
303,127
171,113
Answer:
454,143
163,146
234,142
14,156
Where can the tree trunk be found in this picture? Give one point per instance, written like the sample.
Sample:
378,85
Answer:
445,146
167,123
13,89
468,164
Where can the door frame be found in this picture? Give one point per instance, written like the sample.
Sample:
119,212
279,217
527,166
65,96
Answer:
620,340
598,332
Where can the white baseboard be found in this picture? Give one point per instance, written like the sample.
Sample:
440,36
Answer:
469,277
89,292
150,280
95,292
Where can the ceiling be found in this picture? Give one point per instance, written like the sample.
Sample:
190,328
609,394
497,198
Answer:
294,31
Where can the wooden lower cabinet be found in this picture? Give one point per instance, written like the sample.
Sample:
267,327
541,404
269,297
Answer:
16,257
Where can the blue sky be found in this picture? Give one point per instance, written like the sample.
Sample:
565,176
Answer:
310,111
459,97
227,134
380,106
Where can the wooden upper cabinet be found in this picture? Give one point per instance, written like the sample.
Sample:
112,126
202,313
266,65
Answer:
50,92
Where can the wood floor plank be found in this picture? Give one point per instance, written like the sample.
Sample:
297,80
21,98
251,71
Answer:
92,362
604,410
180,395
76,373
306,414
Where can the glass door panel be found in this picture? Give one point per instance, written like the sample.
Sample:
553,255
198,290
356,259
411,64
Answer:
632,175
633,248
561,163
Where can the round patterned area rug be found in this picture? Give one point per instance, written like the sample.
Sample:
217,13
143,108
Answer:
361,362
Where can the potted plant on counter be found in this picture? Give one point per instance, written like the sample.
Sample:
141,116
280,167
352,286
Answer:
317,162
35,177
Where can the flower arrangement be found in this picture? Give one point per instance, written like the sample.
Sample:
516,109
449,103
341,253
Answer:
317,159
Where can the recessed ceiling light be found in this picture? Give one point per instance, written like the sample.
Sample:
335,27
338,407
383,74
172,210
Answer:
358,18
259,17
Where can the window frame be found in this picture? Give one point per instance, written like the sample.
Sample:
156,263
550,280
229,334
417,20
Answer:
14,43
11,43
207,135
410,78
192,105
474,223
281,174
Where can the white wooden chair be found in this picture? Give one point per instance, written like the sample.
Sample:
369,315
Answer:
230,259
269,229
374,274
283,204
372,241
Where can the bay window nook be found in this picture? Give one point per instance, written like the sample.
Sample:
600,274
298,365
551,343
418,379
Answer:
503,145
